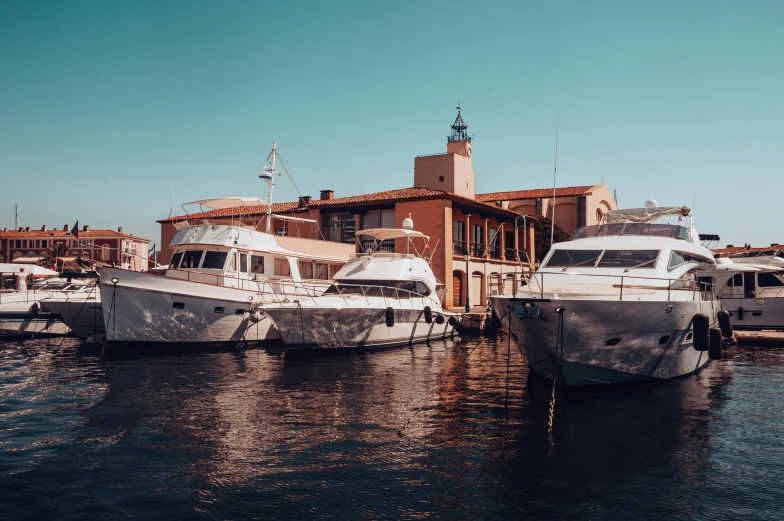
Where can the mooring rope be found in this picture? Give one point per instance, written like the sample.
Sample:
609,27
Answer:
557,369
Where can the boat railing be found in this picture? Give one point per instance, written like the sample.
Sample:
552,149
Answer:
366,291
625,287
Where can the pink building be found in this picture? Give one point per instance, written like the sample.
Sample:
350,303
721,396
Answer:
28,246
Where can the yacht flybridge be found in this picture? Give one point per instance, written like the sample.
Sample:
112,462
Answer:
378,299
219,276
618,302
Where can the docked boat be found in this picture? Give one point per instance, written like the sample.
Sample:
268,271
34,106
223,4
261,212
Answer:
219,277
20,312
378,299
752,293
80,307
618,302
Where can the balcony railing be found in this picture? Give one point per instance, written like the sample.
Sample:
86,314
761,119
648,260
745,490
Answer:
477,249
495,252
458,247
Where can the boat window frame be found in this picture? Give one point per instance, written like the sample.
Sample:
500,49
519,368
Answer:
688,257
777,276
186,253
654,260
210,253
177,255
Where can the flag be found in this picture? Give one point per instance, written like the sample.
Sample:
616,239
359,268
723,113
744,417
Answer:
152,251
75,230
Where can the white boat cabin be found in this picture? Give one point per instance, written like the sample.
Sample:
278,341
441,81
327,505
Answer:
240,257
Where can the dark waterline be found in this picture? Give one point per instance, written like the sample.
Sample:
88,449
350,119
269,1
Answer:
256,435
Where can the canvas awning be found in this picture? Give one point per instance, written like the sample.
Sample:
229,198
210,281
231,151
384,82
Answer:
229,202
28,259
644,215
383,234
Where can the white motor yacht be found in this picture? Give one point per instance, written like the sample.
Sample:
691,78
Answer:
218,278
752,293
378,299
618,302
20,312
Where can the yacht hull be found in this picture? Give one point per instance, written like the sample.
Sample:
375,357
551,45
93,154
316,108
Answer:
758,313
26,323
607,341
342,327
142,309
83,317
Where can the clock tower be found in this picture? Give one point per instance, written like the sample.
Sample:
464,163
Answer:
451,172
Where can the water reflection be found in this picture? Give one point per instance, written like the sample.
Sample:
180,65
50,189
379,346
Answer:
236,434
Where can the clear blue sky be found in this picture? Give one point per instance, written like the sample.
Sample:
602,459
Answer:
105,105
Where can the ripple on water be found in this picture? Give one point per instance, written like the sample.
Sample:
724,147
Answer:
253,434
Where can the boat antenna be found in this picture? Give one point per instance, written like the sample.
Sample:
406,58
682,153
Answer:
555,166
268,175
16,216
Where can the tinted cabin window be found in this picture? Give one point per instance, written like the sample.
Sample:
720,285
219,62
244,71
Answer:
736,280
214,260
191,259
175,260
243,262
769,280
566,258
305,269
628,259
282,267
257,264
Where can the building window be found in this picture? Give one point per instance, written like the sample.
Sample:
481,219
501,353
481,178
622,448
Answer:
105,252
477,246
441,178
494,246
282,268
280,231
341,227
44,243
378,219
459,238
37,243
18,243
321,272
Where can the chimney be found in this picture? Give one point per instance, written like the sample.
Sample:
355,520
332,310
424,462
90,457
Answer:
21,229
43,228
27,229
119,229
730,246
774,244
304,201
5,229
327,195
85,228
66,228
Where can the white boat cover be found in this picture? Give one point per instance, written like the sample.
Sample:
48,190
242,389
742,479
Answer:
35,270
229,202
645,215
383,234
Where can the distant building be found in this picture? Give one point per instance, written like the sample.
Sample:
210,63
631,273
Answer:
442,206
26,246
575,206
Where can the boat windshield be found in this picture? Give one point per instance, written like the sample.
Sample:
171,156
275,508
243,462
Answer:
644,259
379,288
616,229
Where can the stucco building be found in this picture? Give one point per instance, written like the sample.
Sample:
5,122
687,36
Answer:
29,246
575,206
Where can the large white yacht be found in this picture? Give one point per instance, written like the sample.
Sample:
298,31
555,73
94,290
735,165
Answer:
752,293
618,302
218,277
21,314
378,299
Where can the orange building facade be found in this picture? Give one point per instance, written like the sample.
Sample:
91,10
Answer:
30,246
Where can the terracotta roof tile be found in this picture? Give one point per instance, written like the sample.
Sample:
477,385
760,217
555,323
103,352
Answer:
567,191
743,249
13,234
391,196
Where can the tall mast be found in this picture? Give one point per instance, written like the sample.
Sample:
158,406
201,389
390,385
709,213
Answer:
16,217
269,176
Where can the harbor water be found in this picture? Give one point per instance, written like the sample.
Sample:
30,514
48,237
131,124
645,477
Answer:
439,430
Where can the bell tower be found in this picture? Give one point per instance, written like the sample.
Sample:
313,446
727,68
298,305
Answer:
451,172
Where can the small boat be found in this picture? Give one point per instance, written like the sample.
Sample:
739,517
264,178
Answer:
618,302
752,293
378,299
80,309
20,312
218,277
